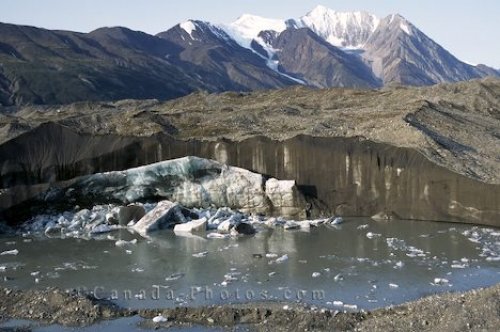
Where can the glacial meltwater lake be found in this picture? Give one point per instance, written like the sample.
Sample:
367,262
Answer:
360,264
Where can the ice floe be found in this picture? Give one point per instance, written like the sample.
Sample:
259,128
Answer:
159,319
372,235
198,225
200,254
123,243
281,259
9,252
441,281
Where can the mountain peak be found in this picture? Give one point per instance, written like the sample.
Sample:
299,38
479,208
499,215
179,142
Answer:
248,27
341,29
251,25
189,26
321,10
398,21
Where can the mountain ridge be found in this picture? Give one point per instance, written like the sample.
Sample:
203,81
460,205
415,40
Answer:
342,49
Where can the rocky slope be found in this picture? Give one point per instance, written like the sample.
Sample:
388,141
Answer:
304,55
400,53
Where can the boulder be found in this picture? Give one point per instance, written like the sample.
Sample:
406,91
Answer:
199,225
243,228
166,214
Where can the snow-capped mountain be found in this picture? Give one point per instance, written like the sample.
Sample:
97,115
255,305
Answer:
393,48
248,27
212,54
323,48
341,29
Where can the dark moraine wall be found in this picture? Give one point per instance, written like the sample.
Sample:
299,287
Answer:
351,176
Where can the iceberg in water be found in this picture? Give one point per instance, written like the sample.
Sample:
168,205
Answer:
191,182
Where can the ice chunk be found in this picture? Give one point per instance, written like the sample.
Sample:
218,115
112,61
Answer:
199,225
217,236
392,285
10,252
351,306
441,281
123,243
371,235
282,259
338,277
200,254
174,276
337,221
53,230
399,264
316,274
225,226
100,229
165,214
160,319
290,225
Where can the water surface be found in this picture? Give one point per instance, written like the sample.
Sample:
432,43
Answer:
362,264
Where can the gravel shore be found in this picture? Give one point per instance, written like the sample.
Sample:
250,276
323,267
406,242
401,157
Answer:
475,310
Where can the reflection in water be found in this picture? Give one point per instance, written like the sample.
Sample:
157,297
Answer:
360,262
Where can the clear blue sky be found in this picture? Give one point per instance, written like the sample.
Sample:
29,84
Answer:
469,29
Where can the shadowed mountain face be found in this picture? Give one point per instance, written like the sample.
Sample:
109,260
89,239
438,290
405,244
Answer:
303,54
209,51
46,67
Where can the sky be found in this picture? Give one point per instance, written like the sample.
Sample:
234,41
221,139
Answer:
468,29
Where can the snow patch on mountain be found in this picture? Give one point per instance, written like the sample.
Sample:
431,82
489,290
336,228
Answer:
405,28
188,26
342,29
247,28
349,30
